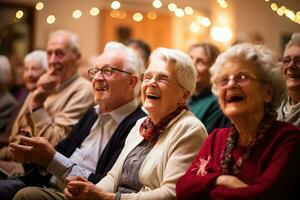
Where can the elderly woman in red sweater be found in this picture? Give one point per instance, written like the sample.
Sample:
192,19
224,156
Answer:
258,158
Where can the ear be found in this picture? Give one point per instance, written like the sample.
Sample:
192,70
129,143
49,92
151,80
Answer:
185,96
133,81
268,95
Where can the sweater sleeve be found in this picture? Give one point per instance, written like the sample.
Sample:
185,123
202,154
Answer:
277,180
58,126
200,177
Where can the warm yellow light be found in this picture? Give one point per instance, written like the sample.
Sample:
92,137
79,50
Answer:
280,12
274,6
152,15
172,7
122,15
224,5
50,19
290,14
76,14
19,14
267,0
39,6
94,11
188,10
137,17
204,21
283,8
157,4
179,12
221,34
115,5
194,27
114,13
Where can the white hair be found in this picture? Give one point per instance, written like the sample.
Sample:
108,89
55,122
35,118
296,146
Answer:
5,70
294,41
263,60
185,71
39,56
74,41
132,62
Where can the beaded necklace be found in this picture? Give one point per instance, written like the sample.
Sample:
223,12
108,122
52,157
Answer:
227,165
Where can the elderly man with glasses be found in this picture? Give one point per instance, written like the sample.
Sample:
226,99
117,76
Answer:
96,141
289,110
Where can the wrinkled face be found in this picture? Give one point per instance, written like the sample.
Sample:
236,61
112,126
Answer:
161,93
62,60
243,93
32,72
112,91
291,68
200,61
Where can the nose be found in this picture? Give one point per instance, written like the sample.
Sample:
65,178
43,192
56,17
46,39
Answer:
98,76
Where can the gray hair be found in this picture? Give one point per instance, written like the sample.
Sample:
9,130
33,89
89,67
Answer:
39,56
185,71
132,63
74,41
5,70
263,59
294,41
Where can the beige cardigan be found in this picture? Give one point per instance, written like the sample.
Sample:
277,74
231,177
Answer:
165,163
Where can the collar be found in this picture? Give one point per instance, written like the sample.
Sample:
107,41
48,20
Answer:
120,113
67,82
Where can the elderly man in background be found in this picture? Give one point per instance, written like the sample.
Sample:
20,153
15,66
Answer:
96,141
289,110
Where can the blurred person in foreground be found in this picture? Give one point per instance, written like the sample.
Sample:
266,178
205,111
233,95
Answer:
258,158
95,142
159,148
7,101
203,103
35,64
289,110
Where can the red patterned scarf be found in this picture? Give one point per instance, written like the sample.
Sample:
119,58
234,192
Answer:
150,131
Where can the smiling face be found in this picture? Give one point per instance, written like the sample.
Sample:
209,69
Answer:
200,61
291,70
32,72
62,60
113,91
246,98
161,93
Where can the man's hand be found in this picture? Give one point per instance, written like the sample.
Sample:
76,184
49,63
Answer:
230,182
46,85
36,150
81,189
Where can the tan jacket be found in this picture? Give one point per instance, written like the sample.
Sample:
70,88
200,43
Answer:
60,113
165,163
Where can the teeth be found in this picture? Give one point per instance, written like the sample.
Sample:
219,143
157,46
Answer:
235,99
151,96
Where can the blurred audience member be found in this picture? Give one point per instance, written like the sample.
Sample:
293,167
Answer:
203,103
141,48
35,64
7,101
289,111
258,158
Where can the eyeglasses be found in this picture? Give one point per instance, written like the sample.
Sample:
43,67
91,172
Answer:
159,78
106,71
285,61
240,79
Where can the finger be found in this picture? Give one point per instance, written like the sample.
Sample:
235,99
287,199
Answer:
78,184
19,147
71,178
68,195
27,141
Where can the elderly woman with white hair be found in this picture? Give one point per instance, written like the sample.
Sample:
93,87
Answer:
159,148
289,110
7,101
35,64
258,158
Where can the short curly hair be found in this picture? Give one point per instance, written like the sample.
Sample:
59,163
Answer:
265,63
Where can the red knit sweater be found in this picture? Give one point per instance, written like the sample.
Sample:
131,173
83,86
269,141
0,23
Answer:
272,171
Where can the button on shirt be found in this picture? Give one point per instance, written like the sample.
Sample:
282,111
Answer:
84,159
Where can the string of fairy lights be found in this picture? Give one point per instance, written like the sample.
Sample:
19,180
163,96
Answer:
283,10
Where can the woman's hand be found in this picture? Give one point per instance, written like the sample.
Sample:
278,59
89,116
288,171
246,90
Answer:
81,189
230,182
